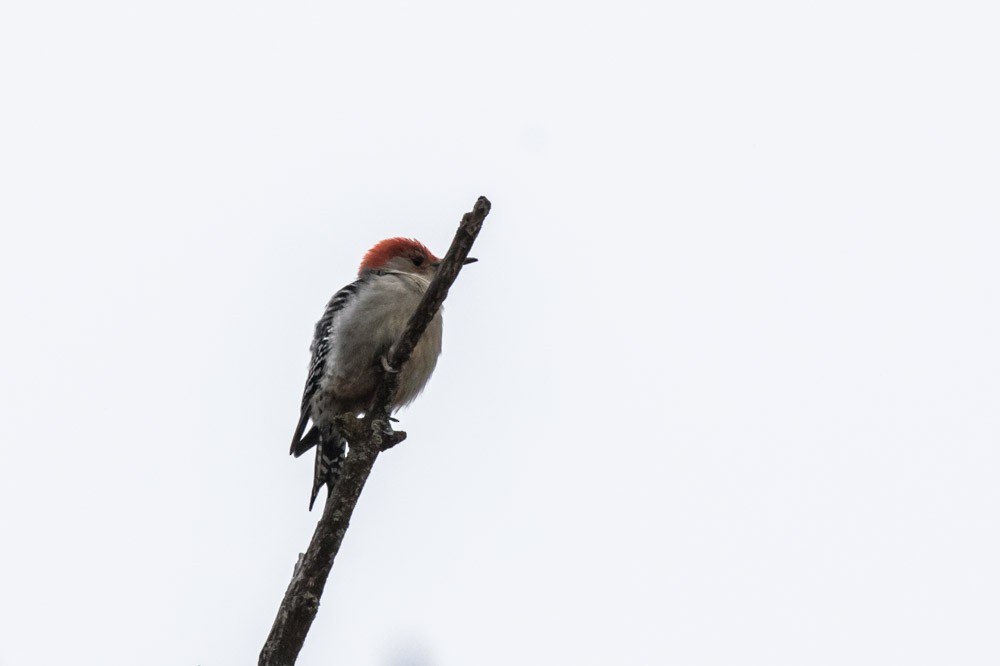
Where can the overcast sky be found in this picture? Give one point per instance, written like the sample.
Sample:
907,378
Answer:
724,388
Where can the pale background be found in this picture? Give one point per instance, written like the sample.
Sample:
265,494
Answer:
724,388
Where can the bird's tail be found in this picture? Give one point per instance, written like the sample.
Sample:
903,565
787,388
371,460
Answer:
331,451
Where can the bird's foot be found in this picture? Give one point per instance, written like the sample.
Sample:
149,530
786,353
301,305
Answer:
387,367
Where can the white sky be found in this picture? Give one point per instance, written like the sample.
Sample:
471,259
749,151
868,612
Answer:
724,388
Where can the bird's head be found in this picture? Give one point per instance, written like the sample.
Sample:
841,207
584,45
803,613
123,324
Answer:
402,254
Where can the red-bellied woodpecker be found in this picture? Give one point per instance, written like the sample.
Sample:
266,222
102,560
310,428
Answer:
360,323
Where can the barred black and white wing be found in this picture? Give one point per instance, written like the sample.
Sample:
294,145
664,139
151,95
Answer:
322,342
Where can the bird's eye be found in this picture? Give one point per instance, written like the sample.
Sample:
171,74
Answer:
418,261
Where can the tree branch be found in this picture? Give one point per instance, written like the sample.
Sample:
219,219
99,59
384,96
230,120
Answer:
367,437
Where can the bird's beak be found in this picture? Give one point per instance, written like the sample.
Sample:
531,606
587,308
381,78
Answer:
468,260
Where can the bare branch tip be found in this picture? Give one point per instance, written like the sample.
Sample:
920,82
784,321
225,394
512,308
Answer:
392,440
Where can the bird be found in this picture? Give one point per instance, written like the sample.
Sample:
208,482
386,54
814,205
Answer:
350,345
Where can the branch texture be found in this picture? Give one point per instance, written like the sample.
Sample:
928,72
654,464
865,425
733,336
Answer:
368,437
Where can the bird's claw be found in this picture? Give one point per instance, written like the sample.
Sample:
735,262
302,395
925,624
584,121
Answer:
387,367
